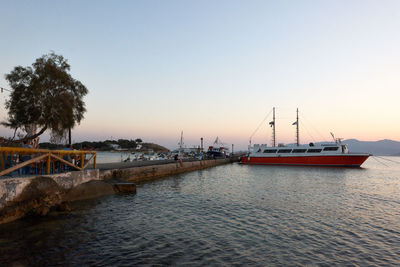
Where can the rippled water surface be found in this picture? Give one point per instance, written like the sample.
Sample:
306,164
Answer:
227,215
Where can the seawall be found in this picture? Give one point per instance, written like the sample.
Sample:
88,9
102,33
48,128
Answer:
22,196
146,173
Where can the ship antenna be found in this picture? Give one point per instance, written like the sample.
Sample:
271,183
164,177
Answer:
297,128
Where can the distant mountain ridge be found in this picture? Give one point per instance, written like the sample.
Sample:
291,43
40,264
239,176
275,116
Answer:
384,147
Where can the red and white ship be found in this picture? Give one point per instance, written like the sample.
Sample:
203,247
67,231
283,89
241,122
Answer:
333,154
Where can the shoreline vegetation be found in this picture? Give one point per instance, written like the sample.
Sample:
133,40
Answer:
110,145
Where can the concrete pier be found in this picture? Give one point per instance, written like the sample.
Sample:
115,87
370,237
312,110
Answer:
145,173
38,195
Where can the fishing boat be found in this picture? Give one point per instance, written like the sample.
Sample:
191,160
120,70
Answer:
217,150
335,154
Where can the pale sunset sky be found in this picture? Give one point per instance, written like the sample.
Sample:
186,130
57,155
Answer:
216,68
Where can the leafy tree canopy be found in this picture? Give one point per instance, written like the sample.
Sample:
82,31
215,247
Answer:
45,95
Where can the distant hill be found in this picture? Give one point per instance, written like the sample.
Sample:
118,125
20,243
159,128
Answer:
109,145
379,148
155,147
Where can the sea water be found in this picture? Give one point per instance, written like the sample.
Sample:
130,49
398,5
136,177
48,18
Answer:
112,156
227,215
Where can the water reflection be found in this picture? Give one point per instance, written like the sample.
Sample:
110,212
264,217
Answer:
228,215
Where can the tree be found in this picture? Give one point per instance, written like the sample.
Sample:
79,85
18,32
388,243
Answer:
44,96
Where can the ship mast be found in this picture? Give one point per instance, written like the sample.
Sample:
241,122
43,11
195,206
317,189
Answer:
181,143
273,129
297,128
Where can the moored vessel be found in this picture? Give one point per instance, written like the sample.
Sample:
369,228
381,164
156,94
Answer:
217,150
334,154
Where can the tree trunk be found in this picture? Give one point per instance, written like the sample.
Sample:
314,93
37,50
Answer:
29,137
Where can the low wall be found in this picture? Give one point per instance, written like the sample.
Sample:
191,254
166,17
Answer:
38,195
147,173
11,188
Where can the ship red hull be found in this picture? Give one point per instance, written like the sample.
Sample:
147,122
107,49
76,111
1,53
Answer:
346,160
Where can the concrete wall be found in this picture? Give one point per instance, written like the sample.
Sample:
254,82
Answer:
146,173
11,188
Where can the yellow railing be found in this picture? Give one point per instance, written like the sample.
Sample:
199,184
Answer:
43,161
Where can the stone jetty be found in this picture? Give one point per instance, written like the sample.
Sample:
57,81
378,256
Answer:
21,196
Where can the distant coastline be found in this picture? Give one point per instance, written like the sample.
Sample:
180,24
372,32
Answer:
384,147
119,145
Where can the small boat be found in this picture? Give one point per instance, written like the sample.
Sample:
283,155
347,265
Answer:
335,154
217,150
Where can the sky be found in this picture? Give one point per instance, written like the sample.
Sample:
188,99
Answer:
155,68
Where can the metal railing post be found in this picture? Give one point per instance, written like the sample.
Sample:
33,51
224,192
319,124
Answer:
48,164
82,159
